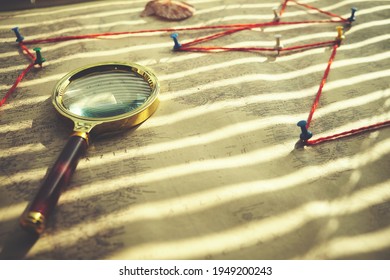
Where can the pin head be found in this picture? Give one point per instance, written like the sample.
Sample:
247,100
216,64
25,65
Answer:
278,45
176,41
352,17
340,33
39,59
276,15
19,37
305,135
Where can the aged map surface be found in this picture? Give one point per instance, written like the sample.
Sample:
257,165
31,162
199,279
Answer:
215,173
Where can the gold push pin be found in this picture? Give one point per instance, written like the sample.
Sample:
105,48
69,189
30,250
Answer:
340,35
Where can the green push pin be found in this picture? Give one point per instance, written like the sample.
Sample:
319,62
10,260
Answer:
39,59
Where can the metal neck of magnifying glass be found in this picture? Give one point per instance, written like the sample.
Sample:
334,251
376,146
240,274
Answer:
81,134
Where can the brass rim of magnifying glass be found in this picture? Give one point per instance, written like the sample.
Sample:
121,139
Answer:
132,118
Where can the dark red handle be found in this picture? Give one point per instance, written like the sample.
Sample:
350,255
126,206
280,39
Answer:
37,212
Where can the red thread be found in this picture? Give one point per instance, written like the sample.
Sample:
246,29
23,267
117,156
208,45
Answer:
225,49
27,51
212,37
307,46
228,26
323,81
18,79
284,5
108,34
348,133
253,49
318,10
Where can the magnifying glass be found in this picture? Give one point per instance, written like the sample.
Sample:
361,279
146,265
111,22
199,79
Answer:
104,98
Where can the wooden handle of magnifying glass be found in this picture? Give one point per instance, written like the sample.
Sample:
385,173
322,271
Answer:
37,212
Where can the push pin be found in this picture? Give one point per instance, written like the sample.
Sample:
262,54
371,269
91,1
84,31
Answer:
340,35
276,15
305,135
278,45
19,37
177,44
39,59
352,17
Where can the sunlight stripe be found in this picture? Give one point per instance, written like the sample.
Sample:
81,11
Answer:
313,209
72,18
267,77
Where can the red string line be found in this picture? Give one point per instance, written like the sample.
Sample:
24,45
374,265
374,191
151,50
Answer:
27,51
313,45
18,79
213,36
222,49
108,34
229,26
318,10
348,133
284,5
323,81
225,49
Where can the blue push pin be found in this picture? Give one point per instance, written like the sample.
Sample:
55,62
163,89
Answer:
177,44
352,17
39,59
19,37
305,135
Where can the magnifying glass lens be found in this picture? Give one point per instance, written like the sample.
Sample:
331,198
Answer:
106,94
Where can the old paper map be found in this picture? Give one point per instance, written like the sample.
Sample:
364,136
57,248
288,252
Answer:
215,173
